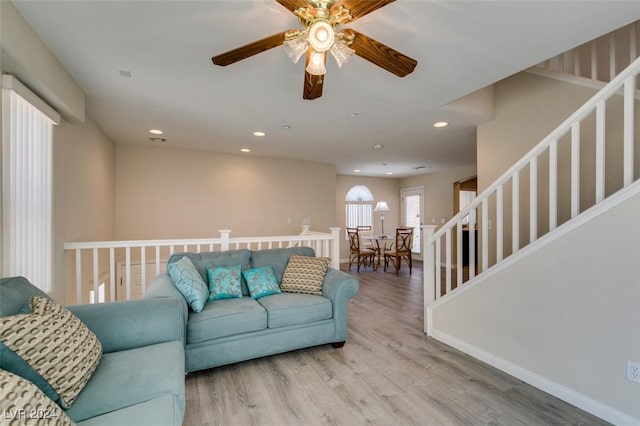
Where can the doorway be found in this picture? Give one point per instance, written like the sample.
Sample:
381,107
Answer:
464,191
412,212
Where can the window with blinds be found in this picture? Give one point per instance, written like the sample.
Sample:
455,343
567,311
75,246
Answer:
359,207
26,185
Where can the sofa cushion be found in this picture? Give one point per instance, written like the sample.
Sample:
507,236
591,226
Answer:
22,402
224,282
163,410
261,281
188,281
205,260
15,293
278,258
291,309
226,317
131,377
305,274
56,345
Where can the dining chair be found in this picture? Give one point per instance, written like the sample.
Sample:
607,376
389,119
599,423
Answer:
402,250
356,251
366,230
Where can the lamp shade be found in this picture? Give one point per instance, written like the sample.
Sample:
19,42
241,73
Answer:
341,53
316,64
382,206
295,48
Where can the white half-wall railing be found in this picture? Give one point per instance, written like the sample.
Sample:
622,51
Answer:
125,268
600,59
562,176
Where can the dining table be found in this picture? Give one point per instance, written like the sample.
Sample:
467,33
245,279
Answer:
380,243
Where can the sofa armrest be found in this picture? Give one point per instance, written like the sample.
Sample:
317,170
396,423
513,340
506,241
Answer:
339,287
136,323
162,287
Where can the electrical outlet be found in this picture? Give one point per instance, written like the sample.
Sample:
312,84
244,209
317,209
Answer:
633,371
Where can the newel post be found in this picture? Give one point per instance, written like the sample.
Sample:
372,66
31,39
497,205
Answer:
224,236
429,268
306,229
335,247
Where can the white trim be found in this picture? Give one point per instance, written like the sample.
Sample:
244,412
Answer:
562,392
577,80
12,83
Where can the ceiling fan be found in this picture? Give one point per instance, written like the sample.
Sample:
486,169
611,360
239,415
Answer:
319,36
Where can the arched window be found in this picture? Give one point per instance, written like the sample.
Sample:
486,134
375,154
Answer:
359,207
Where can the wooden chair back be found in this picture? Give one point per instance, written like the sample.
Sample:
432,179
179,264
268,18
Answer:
354,240
404,240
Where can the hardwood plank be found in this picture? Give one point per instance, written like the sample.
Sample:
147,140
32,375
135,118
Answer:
388,372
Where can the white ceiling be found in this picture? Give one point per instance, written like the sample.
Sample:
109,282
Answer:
460,46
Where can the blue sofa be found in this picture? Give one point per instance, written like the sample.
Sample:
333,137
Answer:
140,377
232,330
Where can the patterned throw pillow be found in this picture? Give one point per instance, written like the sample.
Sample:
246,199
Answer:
56,344
304,274
225,282
261,281
22,402
188,281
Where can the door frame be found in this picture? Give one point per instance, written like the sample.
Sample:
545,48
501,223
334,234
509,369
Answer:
416,190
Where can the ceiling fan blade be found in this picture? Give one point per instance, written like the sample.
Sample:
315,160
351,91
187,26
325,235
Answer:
248,50
293,4
382,55
359,8
312,83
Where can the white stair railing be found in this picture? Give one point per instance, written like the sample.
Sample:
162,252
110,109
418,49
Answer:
93,261
600,59
518,201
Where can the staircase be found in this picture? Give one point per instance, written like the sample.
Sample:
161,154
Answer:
583,169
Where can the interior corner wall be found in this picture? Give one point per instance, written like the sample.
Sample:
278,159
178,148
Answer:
383,189
83,197
566,313
166,193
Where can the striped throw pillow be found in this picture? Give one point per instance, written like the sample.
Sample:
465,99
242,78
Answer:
304,274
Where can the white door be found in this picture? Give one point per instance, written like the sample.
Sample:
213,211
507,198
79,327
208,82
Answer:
412,212
136,278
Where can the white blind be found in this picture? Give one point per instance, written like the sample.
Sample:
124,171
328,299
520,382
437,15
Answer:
359,214
26,192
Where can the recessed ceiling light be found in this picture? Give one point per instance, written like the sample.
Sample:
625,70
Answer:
356,170
259,134
286,127
245,150
378,146
355,114
125,73
389,173
156,132
440,124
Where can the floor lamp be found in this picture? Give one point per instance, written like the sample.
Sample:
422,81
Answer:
381,208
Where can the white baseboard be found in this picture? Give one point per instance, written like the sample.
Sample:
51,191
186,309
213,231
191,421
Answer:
577,399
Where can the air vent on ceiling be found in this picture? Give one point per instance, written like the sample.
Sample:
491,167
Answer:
157,139
421,167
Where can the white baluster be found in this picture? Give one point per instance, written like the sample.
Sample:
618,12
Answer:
485,234
157,260
575,169
112,274
78,276
128,272
499,223
515,212
553,185
438,270
459,254
448,249
143,269
533,199
472,243
600,139
628,152
95,275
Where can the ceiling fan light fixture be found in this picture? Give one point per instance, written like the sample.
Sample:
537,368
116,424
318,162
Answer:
321,36
341,53
295,48
316,64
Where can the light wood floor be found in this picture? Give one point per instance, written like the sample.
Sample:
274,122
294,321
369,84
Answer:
388,373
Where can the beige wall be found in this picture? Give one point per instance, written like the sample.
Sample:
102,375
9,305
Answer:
568,312
527,108
84,197
438,191
383,189
169,193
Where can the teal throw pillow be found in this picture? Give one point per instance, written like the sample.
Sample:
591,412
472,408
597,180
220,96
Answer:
188,281
225,282
261,281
